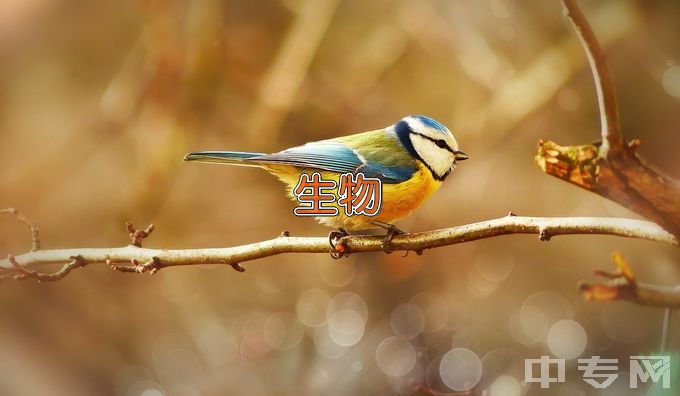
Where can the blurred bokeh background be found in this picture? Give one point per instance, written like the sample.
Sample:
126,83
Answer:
100,100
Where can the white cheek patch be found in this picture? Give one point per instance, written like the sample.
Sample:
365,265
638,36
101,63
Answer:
438,159
415,124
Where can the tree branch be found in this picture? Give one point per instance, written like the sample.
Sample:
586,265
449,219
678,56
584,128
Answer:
604,86
611,169
24,272
622,285
35,232
128,258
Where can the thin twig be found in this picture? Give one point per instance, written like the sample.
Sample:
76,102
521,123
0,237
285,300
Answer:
622,285
120,258
25,273
612,140
35,232
153,265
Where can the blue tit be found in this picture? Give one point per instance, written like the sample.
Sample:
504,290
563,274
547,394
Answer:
411,158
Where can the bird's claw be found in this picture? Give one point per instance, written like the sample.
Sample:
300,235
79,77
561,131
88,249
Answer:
387,246
338,250
392,231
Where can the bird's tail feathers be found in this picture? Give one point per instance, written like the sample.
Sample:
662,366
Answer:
224,157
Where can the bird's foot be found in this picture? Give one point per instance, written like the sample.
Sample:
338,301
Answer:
338,250
392,231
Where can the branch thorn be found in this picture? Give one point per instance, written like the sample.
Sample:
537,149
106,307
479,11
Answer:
238,267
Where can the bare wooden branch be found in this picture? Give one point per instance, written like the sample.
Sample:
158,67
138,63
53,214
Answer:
153,265
24,272
627,180
128,258
612,169
604,86
35,232
622,285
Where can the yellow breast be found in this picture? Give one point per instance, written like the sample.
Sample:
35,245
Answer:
398,200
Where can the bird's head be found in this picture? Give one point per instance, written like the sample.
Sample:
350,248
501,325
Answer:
430,142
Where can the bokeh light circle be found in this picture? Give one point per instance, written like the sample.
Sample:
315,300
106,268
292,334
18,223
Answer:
345,327
435,310
283,331
540,311
671,81
395,356
460,369
407,320
324,344
505,385
152,392
311,307
145,388
337,274
347,300
534,323
567,339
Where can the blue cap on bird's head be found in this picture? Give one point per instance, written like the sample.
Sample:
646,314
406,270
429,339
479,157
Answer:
431,123
431,142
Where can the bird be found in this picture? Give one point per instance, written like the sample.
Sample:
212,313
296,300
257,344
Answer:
411,158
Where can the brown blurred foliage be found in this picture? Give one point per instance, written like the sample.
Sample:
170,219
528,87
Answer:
99,101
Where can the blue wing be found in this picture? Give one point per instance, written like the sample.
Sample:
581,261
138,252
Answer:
335,156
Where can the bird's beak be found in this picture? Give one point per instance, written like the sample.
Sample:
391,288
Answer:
206,156
460,155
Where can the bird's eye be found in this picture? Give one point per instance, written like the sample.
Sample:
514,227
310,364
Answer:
440,143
